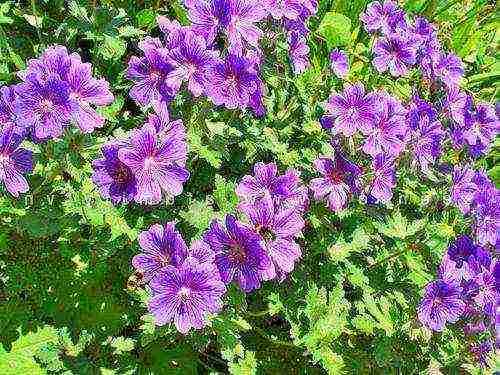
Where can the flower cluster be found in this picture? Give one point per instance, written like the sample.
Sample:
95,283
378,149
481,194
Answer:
468,288
386,127
188,284
195,55
147,166
403,45
381,119
476,195
57,89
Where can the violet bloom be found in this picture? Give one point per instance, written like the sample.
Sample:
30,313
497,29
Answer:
162,246
423,30
463,189
186,295
173,32
278,226
114,179
149,73
483,128
287,188
298,50
449,69
7,107
14,161
485,293
157,160
394,53
190,61
201,252
339,180
85,91
441,304
487,224
381,17
352,110
458,105
44,106
237,18
481,352
339,63
426,133
241,30
208,17
468,257
239,254
290,9
232,82
386,134
384,179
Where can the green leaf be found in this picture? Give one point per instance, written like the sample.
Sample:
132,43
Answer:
20,359
336,28
224,194
398,227
113,48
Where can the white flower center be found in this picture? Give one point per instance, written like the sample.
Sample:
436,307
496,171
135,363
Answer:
184,293
46,105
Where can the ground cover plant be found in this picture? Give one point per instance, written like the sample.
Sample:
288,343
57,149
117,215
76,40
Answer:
249,187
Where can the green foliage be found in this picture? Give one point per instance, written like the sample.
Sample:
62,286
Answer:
21,358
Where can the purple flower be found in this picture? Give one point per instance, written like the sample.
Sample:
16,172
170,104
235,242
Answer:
236,18
287,188
395,54
485,293
483,128
290,9
463,189
423,30
386,134
239,254
481,352
162,246
463,250
449,69
458,105
201,252
441,304
114,179
14,161
232,82
339,63
352,109
208,17
426,133
384,179
85,91
149,73
191,61
381,17
186,295
487,224
298,51
278,226
174,33
157,158
7,108
43,106
339,180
